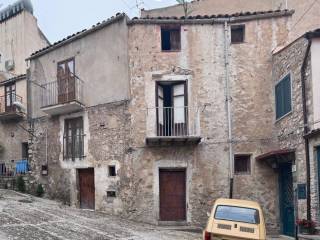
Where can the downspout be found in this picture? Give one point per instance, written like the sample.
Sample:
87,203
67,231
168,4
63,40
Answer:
305,124
228,100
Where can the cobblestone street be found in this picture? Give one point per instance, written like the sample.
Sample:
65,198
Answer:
26,217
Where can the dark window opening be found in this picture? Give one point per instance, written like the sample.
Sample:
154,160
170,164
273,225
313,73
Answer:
25,149
112,171
242,164
73,139
44,170
172,108
170,38
111,194
283,97
237,33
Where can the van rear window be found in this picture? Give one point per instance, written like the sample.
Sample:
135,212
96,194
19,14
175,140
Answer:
237,214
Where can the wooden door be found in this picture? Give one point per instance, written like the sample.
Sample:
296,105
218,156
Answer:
86,185
172,195
10,92
66,81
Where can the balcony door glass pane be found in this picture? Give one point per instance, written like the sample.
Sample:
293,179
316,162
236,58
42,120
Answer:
179,103
160,104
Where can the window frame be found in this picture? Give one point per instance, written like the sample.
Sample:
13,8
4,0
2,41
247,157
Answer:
249,164
171,27
66,146
283,77
235,27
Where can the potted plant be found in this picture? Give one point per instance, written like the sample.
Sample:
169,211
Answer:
306,226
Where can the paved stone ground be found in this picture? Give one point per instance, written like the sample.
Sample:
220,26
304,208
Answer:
26,217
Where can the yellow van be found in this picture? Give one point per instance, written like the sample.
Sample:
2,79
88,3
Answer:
232,219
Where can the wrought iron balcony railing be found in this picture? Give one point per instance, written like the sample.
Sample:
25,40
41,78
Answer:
7,103
173,122
62,91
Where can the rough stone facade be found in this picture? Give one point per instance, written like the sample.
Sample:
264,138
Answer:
290,129
201,62
305,19
105,144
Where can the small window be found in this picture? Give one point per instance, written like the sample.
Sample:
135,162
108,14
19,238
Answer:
111,194
171,38
237,33
112,171
25,149
283,97
242,164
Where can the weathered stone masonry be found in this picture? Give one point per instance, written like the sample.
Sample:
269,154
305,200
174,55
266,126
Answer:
252,109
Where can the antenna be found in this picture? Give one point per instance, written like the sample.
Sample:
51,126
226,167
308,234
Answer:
139,5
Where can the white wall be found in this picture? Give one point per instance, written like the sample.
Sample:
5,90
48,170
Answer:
315,69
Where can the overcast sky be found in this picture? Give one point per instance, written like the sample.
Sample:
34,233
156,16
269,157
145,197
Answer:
59,18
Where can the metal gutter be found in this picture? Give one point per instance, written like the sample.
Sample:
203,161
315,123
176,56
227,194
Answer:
305,122
14,79
228,105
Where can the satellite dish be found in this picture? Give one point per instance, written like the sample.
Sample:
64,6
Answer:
20,106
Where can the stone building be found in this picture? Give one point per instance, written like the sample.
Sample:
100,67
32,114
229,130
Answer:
205,78
178,113
79,92
19,37
305,18
298,130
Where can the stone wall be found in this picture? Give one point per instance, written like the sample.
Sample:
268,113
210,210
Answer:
305,19
106,132
201,62
290,129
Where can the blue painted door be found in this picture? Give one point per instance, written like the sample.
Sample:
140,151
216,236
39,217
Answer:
286,195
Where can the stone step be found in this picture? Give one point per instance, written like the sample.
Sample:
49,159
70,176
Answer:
308,237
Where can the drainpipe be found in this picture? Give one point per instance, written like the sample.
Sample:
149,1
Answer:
228,100
305,123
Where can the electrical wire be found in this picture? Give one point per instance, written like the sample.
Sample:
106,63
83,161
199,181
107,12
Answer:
304,14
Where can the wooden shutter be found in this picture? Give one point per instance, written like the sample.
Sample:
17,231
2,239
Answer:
283,97
160,110
175,39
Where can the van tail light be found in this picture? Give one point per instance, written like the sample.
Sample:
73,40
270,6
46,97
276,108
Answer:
207,236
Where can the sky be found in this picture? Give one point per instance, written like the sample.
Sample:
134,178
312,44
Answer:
60,18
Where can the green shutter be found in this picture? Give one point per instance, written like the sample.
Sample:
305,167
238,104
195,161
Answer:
283,97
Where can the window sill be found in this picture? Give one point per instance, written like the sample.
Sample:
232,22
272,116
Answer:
243,174
170,51
284,116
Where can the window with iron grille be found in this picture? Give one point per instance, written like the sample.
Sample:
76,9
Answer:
242,164
171,38
73,139
283,97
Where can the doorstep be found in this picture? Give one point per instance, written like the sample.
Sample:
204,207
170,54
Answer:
308,237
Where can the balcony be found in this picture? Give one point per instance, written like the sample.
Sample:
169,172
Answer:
173,126
62,96
8,110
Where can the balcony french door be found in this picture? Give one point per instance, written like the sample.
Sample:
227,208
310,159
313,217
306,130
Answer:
66,81
172,109
10,97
